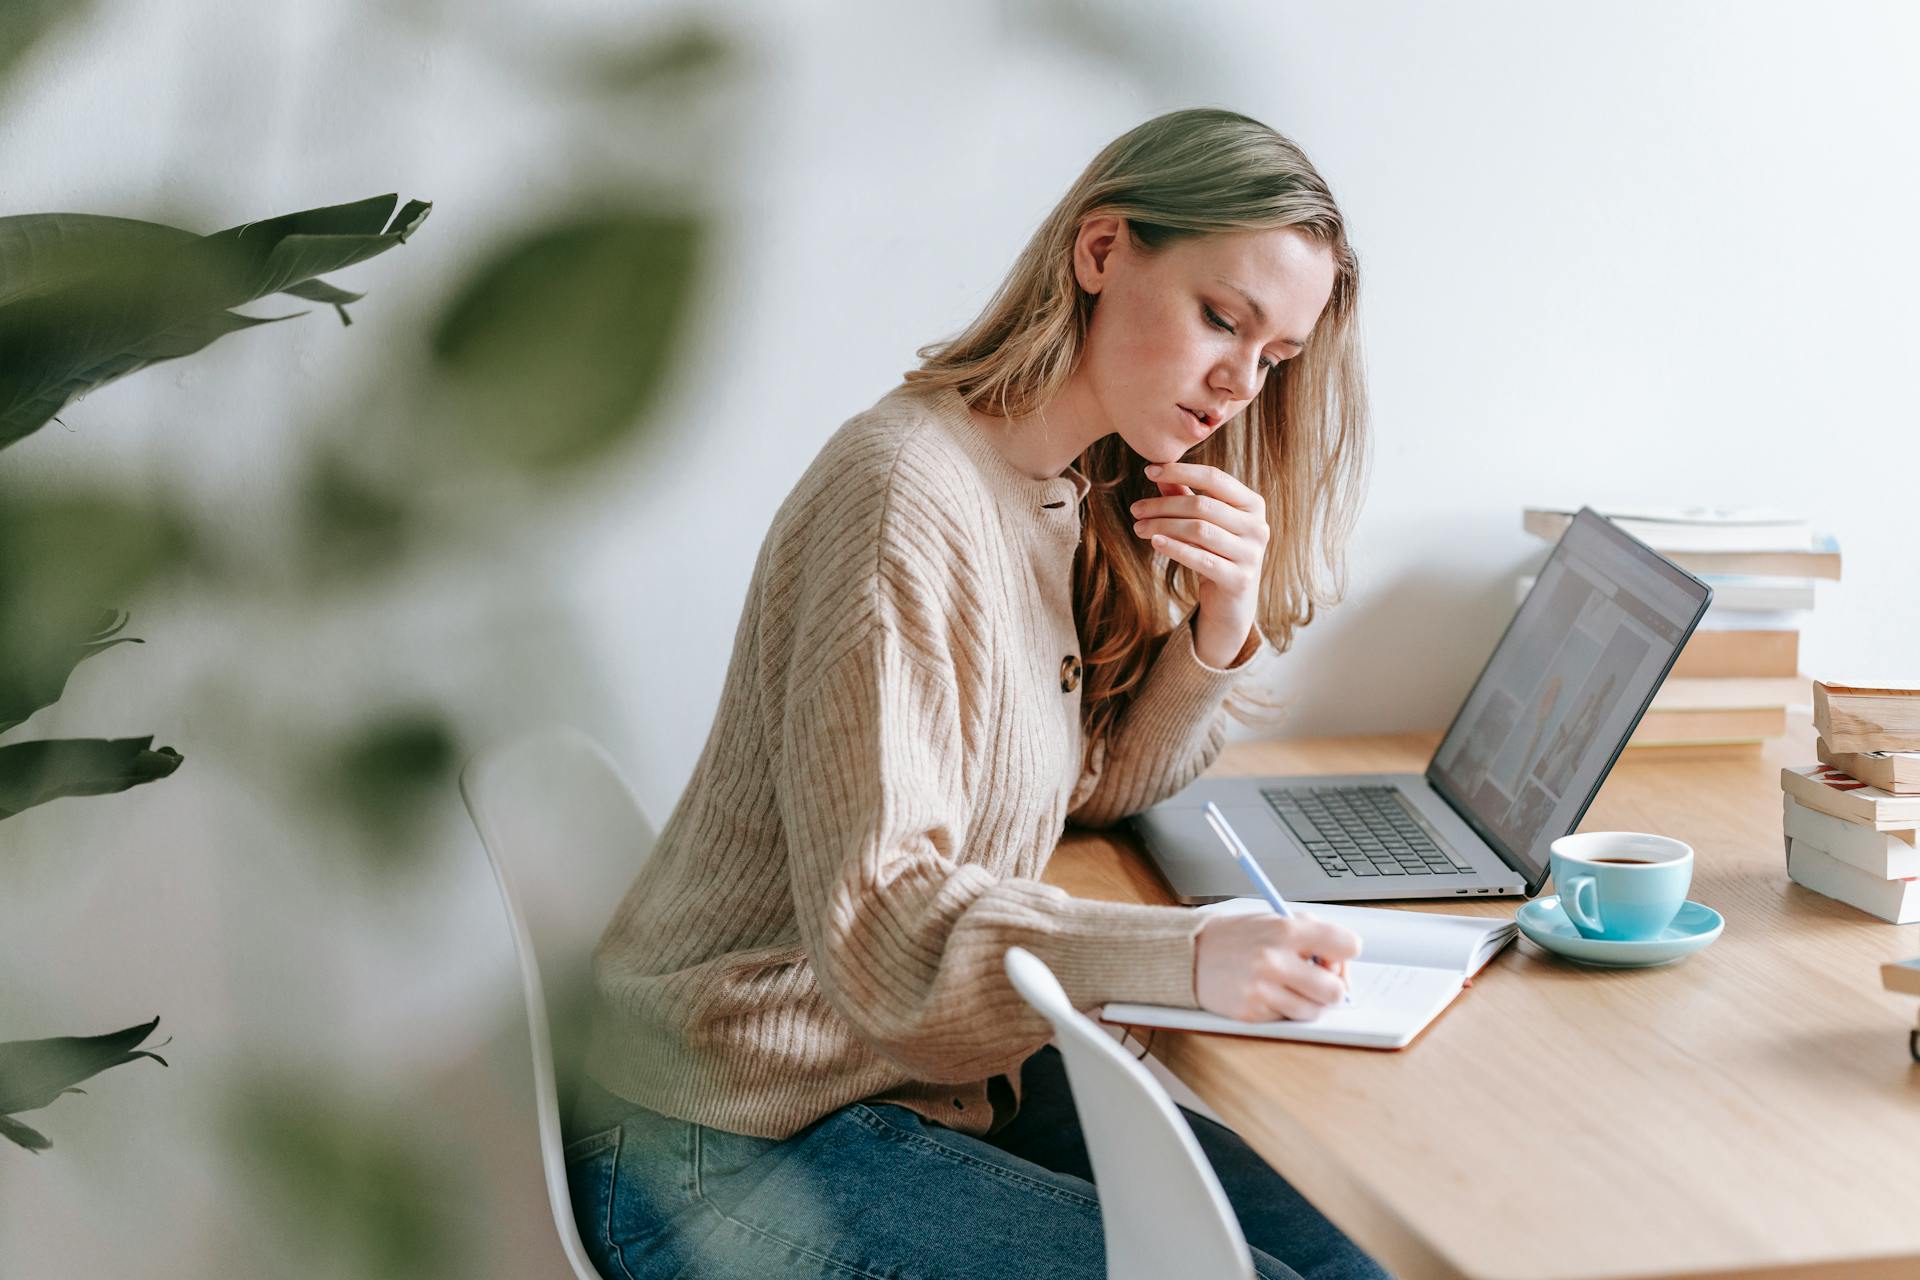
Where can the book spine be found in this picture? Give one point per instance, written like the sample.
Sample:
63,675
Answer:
1708,727
1759,593
1822,563
1878,853
1831,791
1718,619
1851,722
1739,653
1895,901
1898,773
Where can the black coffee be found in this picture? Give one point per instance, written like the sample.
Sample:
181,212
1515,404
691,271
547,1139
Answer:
1626,862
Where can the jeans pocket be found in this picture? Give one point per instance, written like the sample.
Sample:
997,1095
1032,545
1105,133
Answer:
590,1146
590,1163
889,1114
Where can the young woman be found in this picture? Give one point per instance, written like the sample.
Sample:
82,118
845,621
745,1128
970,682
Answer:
806,1059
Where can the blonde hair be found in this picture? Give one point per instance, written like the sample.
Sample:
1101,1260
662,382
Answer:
1301,443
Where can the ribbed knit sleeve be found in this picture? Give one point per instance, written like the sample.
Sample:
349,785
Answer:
907,914
1174,728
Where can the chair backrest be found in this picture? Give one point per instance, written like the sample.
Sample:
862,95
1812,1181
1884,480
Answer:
1161,1206
565,838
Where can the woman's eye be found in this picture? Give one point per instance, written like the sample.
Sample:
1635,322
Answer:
1218,323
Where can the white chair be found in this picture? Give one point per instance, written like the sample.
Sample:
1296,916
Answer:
565,837
1161,1206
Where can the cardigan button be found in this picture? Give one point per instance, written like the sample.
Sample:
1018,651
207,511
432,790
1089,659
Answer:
1070,673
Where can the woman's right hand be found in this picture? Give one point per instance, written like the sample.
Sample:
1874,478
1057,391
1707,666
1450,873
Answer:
1259,967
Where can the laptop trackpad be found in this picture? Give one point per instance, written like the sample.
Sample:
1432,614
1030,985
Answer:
1195,861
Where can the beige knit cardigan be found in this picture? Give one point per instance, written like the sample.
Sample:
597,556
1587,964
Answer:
897,749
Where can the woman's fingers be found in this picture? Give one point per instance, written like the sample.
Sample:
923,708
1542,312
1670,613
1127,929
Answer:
1205,479
1291,976
1323,938
1261,966
1322,986
1209,564
1212,523
1284,1002
1200,509
1309,942
1203,534
1200,533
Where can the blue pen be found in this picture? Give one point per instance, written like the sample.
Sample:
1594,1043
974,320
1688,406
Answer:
1231,838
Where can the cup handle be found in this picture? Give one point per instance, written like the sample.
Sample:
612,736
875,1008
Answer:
1585,919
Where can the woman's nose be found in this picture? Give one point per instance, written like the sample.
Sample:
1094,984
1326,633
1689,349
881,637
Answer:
1239,380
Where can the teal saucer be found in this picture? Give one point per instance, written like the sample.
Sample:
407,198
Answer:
1546,924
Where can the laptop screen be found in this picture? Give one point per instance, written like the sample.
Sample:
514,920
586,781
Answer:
1564,689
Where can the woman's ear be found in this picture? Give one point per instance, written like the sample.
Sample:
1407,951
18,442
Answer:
1093,250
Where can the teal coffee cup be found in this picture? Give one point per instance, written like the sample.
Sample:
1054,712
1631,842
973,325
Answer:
1621,886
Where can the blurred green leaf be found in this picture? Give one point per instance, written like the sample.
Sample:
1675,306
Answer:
23,23
67,554
401,755
349,525
351,1181
85,299
35,1072
557,346
33,773
23,1135
387,773
695,48
33,676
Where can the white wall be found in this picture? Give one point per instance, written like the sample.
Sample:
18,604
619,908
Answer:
1646,252
1639,254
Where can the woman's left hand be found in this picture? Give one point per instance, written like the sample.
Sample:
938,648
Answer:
1216,526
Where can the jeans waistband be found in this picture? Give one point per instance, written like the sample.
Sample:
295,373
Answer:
595,1109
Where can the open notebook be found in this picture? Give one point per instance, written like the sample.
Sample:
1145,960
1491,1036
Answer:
1412,965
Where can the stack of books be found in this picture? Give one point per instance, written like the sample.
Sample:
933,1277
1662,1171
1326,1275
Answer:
1852,822
1740,671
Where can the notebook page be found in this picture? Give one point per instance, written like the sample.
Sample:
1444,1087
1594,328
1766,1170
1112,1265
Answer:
1391,1003
1424,938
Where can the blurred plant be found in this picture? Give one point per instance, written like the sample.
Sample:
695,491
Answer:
35,1072
23,23
546,362
691,50
29,680
33,773
358,1190
85,300
387,773
557,343
60,556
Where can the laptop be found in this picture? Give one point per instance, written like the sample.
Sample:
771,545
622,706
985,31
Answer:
1518,766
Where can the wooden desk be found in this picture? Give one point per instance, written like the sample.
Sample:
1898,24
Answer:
1750,1110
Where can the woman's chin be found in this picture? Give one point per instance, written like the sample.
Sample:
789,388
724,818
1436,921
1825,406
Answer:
1162,450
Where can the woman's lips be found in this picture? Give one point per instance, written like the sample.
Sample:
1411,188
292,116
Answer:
1198,429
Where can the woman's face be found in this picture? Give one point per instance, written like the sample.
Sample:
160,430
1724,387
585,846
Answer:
1171,332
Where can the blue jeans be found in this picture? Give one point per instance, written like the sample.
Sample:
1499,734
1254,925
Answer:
875,1191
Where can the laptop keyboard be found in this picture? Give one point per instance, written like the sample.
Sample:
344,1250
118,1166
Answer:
1362,831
